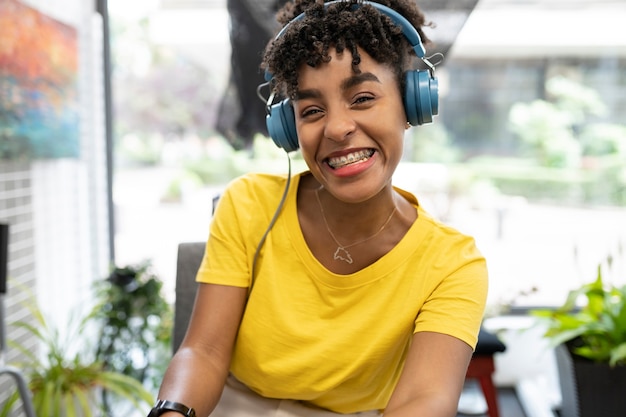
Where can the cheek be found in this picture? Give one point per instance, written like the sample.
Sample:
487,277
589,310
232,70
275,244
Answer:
307,141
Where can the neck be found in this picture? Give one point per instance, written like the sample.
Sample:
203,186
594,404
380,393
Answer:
350,222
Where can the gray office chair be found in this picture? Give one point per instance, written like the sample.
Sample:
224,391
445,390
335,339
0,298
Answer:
189,258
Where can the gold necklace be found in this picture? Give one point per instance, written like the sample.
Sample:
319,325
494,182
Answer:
341,253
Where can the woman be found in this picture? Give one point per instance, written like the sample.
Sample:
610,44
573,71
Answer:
357,300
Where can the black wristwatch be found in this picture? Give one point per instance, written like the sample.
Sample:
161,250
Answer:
163,406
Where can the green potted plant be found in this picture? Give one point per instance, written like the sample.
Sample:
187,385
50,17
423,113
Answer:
135,324
64,378
589,339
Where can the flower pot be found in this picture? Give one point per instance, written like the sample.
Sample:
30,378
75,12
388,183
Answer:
590,389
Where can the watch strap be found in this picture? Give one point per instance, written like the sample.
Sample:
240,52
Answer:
162,406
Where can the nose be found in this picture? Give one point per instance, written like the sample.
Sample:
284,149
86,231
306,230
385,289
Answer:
339,124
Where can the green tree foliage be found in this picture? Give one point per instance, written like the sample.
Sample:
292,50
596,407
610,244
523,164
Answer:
563,129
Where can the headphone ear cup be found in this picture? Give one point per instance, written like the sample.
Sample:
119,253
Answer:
281,125
421,97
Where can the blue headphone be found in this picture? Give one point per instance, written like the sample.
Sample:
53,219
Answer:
421,97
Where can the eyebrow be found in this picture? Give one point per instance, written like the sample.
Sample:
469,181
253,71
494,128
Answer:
358,79
350,82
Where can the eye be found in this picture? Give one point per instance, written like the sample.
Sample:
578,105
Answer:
363,99
310,112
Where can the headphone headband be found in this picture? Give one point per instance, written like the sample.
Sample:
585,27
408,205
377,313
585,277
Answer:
408,30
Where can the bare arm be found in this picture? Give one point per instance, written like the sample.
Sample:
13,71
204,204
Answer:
432,379
198,371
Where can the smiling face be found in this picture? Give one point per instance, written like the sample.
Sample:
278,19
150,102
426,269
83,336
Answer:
350,126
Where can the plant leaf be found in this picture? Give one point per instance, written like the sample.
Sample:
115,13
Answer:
126,387
8,405
69,405
618,355
83,399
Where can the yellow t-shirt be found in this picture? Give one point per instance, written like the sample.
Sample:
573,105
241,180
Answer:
336,341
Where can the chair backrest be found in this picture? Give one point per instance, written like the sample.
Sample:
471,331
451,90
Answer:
488,343
189,258
4,257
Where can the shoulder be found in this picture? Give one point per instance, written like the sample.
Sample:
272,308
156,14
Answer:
455,247
256,187
440,242
256,190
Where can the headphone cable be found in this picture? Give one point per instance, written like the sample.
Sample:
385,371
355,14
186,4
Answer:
274,218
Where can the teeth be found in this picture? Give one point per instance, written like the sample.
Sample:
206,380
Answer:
350,158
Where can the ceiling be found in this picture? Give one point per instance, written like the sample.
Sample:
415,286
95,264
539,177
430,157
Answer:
464,28
199,28
448,15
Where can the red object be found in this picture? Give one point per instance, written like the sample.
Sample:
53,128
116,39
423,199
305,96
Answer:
482,367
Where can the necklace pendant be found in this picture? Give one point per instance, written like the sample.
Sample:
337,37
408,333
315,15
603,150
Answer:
341,254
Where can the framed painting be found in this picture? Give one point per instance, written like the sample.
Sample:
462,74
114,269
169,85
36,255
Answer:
39,111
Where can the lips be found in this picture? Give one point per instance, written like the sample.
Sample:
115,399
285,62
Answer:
351,158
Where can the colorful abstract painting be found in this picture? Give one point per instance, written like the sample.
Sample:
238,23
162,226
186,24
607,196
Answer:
39,115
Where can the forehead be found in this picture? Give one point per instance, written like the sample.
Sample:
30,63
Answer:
340,65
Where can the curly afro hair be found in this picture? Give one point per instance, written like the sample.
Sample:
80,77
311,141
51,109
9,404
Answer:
340,26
